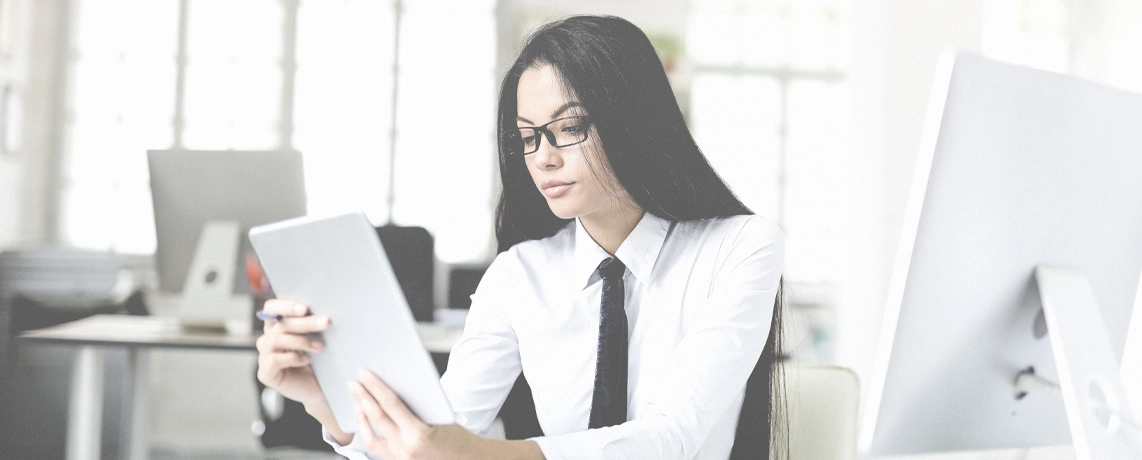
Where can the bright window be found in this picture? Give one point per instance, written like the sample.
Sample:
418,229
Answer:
770,108
240,92
343,104
233,75
122,105
445,146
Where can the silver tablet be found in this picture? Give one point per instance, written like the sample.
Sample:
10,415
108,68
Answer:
337,266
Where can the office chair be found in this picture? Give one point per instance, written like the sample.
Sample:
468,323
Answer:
462,282
411,251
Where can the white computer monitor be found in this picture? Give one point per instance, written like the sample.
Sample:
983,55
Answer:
192,187
1019,169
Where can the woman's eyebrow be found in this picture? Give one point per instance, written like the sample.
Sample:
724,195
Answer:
564,107
560,110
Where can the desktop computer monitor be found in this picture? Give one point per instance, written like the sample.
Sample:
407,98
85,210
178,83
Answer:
191,188
1019,169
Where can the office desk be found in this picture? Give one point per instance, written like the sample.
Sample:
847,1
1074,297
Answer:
137,334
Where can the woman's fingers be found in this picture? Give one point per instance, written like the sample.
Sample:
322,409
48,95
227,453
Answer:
295,318
303,325
375,444
376,416
299,325
285,307
390,403
285,345
269,343
270,365
286,359
401,431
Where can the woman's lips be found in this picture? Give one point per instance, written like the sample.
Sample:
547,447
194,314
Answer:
555,188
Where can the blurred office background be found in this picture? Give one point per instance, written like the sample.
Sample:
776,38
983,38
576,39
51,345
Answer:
812,110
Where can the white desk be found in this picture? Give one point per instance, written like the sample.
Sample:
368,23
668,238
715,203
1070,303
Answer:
137,334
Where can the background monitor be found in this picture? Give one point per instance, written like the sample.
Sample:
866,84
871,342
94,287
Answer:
190,188
1018,168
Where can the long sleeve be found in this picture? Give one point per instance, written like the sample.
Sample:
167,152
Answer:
485,362
724,341
354,451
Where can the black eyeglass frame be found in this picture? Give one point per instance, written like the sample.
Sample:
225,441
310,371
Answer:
546,133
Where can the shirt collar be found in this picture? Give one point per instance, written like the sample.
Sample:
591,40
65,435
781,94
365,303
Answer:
638,251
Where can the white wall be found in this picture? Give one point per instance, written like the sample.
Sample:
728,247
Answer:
1118,45
896,46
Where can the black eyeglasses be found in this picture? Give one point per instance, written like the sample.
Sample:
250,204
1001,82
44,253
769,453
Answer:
564,132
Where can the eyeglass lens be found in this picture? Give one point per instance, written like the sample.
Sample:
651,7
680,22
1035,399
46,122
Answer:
560,133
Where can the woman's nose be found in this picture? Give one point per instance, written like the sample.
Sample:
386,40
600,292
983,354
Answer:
547,157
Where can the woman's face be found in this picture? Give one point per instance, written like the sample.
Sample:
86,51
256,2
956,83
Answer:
562,174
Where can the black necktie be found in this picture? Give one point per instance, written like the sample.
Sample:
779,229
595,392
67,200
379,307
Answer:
609,403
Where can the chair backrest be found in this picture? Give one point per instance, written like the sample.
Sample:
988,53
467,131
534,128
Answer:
411,254
823,403
462,282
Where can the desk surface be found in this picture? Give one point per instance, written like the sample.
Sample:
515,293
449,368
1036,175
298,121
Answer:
165,332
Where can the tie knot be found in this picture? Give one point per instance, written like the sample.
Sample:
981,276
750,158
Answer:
611,268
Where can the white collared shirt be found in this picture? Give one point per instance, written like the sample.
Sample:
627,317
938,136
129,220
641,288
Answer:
699,300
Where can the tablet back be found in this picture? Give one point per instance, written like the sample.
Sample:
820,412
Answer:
337,267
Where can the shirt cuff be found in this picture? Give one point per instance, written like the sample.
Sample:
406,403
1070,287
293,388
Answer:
582,444
354,451
552,447
634,439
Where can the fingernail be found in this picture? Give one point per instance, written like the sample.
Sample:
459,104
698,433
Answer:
299,308
317,346
322,321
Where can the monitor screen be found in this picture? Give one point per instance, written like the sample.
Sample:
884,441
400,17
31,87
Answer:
190,188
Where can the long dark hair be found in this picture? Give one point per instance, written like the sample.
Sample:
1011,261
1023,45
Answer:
610,67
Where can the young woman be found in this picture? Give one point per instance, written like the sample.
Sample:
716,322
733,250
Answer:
639,297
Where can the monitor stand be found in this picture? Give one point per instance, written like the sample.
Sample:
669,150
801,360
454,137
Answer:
1089,379
208,302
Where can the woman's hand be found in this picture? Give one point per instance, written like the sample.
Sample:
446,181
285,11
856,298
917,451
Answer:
404,436
282,360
